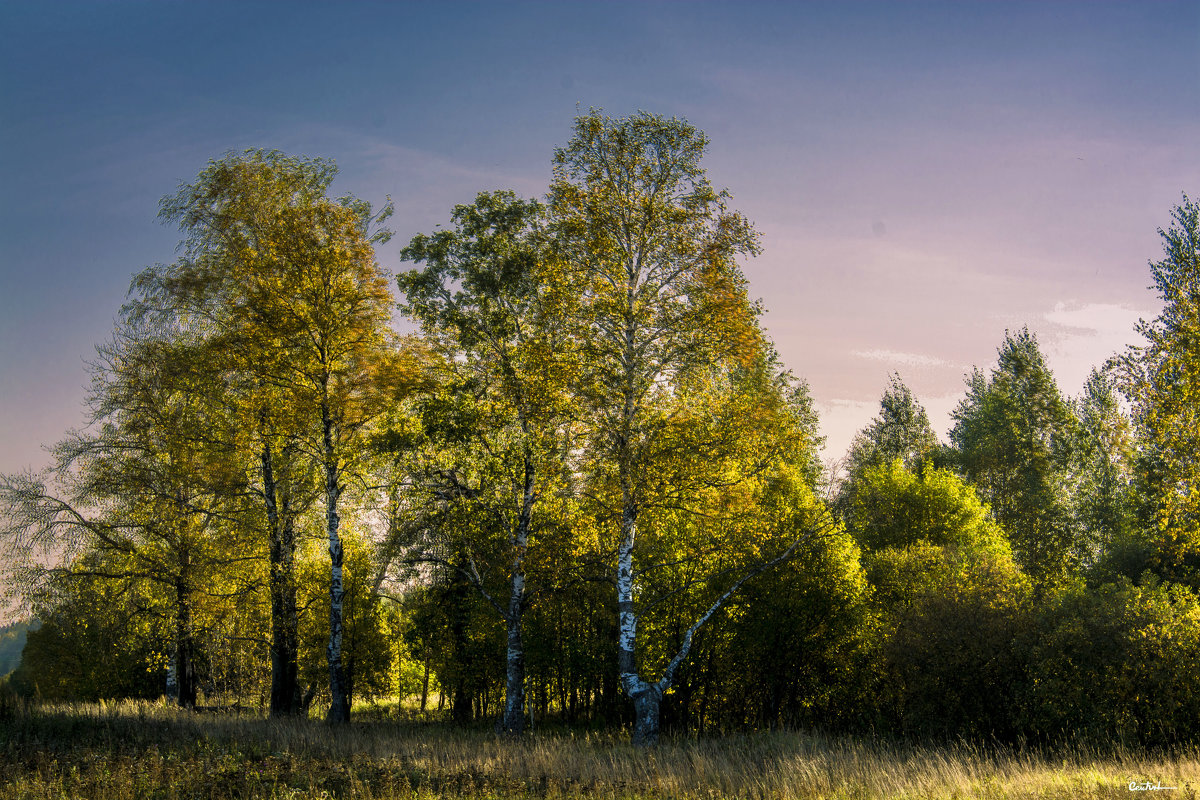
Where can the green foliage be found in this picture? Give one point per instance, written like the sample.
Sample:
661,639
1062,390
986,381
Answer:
284,282
1104,455
893,507
949,659
571,645
792,649
949,601
1014,435
735,482
803,419
900,431
1133,557
678,392
463,639
370,644
898,575
232,624
493,299
663,296
1114,538
1162,382
592,401
486,279
1117,662
97,640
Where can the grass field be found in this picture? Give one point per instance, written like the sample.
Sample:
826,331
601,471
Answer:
144,750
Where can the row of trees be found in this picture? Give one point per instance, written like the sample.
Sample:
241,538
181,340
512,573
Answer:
588,478
592,358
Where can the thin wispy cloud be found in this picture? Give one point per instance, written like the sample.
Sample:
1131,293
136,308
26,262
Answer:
1097,319
902,359
1081,336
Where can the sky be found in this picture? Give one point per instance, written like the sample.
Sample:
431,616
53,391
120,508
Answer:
925,176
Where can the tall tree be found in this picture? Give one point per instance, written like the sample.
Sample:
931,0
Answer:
286,278
491,299
664,307
1014,434
146,495
901,430
1104,501
1161,379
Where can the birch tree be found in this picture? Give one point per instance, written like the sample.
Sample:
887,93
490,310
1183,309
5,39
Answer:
491,299
1161,380
1104,507
1015,436
286,278
664,303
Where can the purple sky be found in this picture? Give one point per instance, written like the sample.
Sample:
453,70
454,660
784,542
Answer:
924,175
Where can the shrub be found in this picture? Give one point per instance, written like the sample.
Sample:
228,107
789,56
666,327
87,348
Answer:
1117,662
949,661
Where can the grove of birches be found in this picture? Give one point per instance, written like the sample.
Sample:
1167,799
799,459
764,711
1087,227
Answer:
584,490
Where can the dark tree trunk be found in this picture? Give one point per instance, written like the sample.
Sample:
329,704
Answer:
425,681
460,704
647,708
286,699
185,647
339,708
513,720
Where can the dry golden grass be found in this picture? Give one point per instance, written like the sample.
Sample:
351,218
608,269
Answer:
133,750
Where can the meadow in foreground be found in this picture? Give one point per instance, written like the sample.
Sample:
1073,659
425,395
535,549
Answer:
145,750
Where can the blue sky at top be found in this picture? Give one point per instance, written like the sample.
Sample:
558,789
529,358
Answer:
924,175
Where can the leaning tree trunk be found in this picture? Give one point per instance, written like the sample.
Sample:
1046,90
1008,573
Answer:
339,707
286,699
647,695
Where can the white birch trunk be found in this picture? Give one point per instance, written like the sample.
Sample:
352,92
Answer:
339,708
513,720
646,695
514,688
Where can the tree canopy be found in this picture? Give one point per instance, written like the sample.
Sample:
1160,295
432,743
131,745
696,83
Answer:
1162,382
586,487
1014,434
